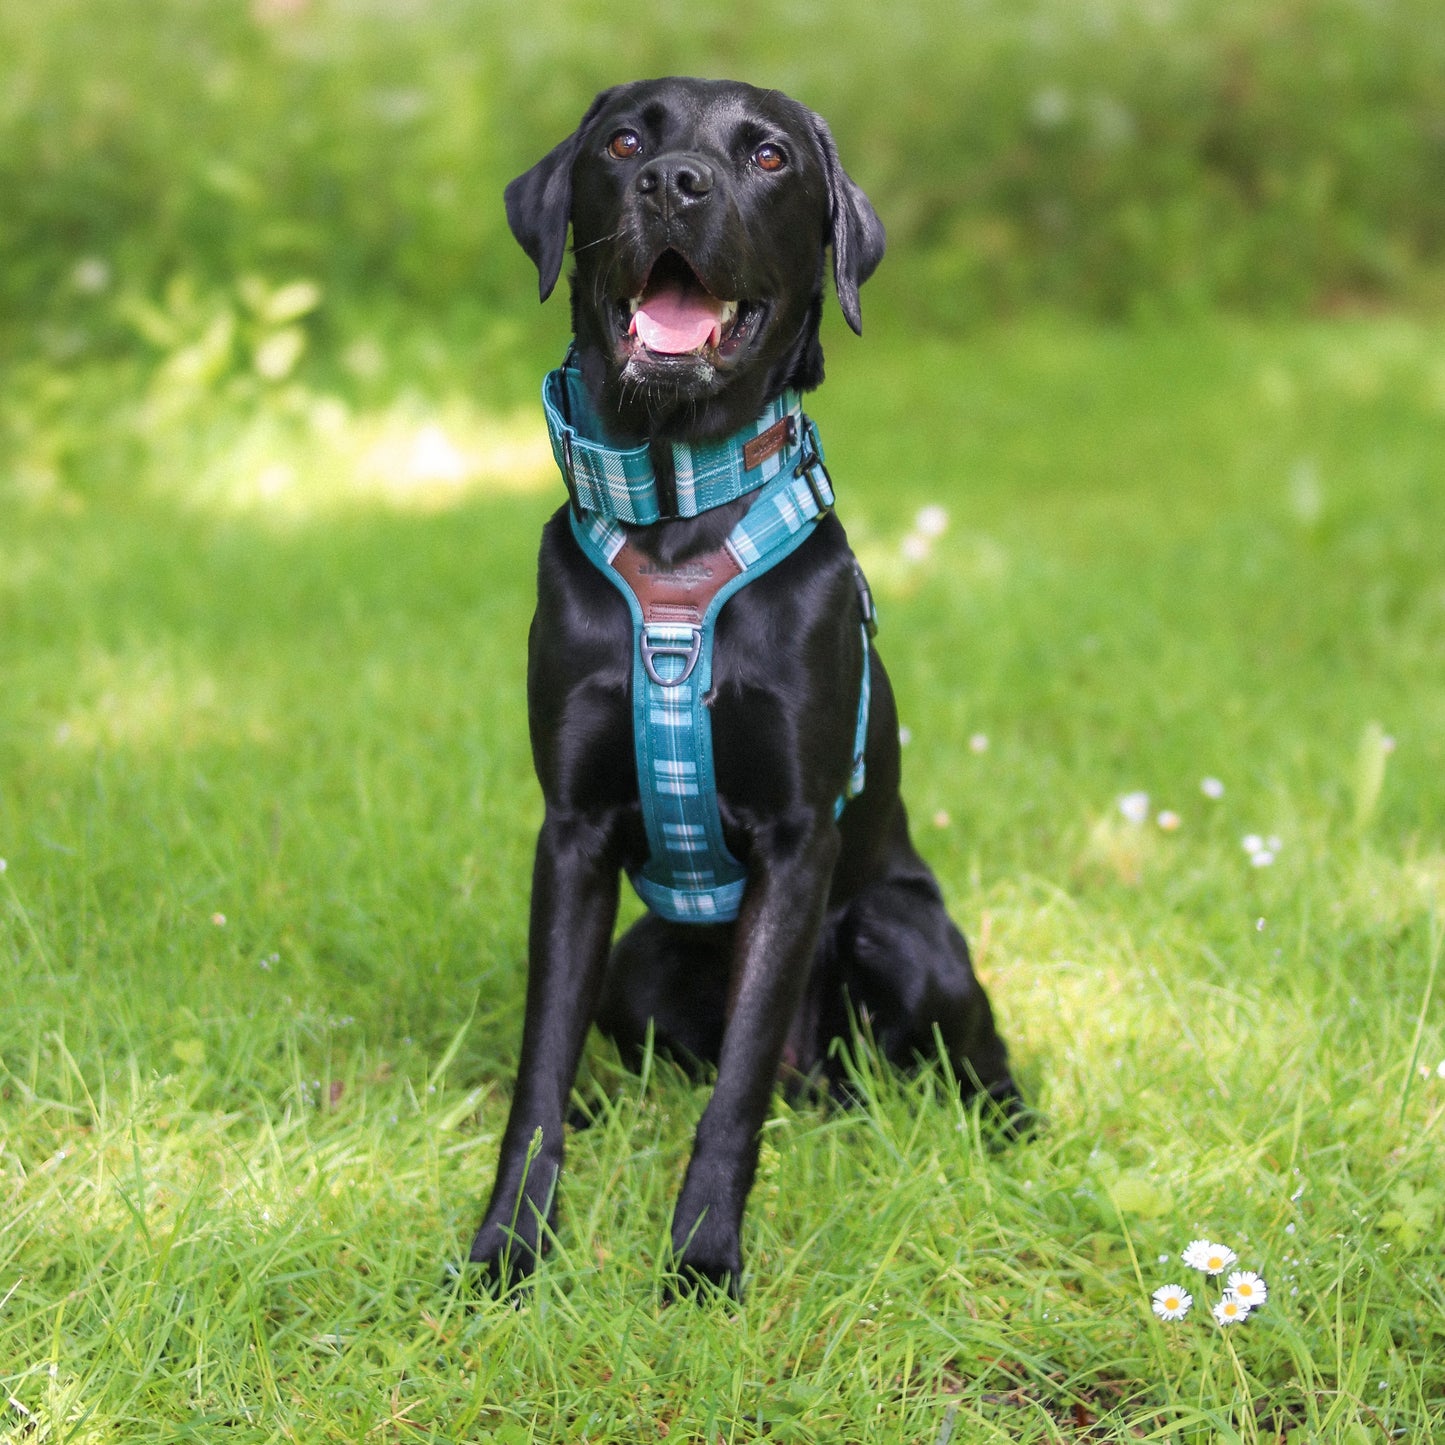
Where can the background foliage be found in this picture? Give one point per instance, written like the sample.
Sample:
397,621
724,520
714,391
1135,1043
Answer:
1110,157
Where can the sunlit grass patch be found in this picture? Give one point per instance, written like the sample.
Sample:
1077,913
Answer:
145,699
314,456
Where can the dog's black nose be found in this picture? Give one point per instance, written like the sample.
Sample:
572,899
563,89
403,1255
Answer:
678,180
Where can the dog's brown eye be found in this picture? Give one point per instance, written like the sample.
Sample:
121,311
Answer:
769,157
624,144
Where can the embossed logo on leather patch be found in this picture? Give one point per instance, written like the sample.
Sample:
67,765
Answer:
767,444
679,592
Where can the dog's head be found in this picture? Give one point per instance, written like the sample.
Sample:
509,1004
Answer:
700,213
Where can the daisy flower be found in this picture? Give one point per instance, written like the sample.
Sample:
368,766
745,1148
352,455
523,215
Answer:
1248,1287
1171,1302
1231,1309
1134,806
1211,1258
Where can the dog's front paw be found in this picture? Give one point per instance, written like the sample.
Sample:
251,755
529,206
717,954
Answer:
509,1244
1007,1113
504,1255
705,1259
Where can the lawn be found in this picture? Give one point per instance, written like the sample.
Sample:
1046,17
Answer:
266,814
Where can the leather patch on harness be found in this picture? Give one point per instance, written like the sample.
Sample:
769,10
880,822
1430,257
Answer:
767,444
680,593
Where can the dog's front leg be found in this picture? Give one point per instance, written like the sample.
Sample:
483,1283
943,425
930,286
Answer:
574,907
777,935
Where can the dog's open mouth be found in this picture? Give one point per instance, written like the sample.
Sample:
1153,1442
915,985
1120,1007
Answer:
676,315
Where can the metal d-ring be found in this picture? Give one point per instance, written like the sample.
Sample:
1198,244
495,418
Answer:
690,651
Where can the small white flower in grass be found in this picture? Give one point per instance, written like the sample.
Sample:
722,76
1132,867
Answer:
1211,1258
3,865
1172,1301
1247,1286
1195,1253
1134,806
905,736
1440,1069
1212,788
1231,1309
1169,820
1262,859
1252,843
978,742
915,547
931,521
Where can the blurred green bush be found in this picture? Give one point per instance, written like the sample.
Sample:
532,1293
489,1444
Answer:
1108,156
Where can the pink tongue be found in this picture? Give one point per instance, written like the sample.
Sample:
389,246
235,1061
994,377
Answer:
676,319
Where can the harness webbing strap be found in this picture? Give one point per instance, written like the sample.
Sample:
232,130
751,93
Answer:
618,481
690,876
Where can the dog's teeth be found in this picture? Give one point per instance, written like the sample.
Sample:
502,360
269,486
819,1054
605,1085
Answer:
634,304
726,315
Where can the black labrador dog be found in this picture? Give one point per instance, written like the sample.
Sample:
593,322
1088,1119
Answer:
708,207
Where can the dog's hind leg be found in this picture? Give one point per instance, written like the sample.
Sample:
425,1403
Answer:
671,978
906,972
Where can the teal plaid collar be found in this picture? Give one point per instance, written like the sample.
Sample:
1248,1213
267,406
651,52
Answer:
618,482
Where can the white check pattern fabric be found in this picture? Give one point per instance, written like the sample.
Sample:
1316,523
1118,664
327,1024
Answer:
618,482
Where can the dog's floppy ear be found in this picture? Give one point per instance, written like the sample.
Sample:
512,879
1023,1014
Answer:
857,233
539,204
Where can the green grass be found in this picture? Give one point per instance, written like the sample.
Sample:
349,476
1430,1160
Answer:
266,810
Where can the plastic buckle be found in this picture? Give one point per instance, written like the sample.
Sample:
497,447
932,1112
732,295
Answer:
689,651
810,463
865,602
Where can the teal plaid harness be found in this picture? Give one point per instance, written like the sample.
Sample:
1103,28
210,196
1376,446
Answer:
690,876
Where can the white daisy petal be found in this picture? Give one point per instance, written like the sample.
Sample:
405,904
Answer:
1218,1259
1196,1253
1171,1302
1249,1287
1231,1309
1134,806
